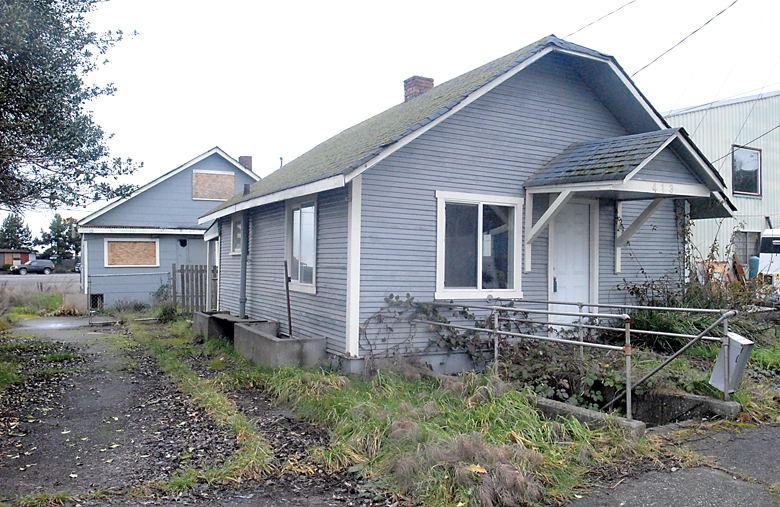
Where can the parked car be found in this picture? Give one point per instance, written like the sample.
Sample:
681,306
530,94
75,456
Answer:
37,266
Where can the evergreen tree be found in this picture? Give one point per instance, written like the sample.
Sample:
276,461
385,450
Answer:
60,241
14,234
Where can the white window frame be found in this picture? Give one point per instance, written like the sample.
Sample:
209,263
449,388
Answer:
156,242
742,193
291,206
235,249
442,198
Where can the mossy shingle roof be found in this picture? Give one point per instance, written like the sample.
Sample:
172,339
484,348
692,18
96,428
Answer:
358,144
603,160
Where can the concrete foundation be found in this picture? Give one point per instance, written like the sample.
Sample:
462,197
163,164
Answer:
221,324
553,409
668,407
259,343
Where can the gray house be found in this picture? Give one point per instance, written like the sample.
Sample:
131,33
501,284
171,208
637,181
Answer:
543,175
129,245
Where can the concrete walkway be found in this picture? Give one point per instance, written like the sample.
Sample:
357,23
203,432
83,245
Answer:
744,467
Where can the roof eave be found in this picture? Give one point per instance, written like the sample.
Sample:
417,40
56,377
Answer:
331,183
216,150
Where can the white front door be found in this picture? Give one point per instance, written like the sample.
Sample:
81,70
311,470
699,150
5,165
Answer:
571,257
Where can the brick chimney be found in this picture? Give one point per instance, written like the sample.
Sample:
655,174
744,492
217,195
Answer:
416,85
246,161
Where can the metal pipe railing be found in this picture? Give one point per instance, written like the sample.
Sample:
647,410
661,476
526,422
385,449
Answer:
723,318
626,349
623,307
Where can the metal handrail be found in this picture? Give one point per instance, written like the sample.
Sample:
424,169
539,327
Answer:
622,307
496,332
723,318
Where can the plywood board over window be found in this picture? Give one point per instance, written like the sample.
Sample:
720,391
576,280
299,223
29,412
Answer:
131,252
213,185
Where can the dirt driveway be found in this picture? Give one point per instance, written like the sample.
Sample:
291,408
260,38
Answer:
118,425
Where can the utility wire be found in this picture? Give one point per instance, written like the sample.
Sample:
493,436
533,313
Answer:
750,142
685,38
737,61
602,17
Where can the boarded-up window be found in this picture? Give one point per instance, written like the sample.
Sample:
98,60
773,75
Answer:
213,185
131,253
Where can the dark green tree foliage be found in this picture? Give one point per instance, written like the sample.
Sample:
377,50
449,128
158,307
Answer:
60,241
14,234
51,152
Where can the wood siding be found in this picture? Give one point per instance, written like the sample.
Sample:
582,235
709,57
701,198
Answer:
667,167
491,147
654,253
170,203
313,315
105,280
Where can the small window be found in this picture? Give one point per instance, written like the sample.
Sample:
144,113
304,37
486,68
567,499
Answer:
236,234
477,242
302,243
746,164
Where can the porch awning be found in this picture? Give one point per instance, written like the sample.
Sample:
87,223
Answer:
653,166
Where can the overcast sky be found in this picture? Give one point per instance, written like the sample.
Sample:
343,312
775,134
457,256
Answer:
274,79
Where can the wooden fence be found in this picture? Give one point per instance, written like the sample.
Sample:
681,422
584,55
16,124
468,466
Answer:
189,288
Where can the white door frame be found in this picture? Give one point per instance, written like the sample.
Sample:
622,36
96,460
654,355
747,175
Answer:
594,253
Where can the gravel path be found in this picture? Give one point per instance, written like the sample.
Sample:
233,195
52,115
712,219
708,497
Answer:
115,423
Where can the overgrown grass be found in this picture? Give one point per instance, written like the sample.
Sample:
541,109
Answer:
44,500
445,447
471,441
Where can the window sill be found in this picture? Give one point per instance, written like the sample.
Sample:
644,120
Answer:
304,288
476,294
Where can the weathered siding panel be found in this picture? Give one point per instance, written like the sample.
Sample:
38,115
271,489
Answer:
229,270
667,167
490,147
313,315
655,252
169,204
139,288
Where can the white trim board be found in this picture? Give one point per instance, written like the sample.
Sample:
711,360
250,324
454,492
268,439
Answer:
141,230
353,267
169,174
291,193
442,197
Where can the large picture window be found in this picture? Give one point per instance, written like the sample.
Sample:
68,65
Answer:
302,244
477,242
746,165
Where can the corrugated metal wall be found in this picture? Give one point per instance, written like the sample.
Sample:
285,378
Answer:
714,131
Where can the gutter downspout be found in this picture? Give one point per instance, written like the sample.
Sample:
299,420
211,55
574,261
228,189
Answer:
244,255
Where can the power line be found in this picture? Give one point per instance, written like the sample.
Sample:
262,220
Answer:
602,17
685,38
749,142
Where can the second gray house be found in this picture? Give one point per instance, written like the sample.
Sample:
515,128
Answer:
129,246
543,175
